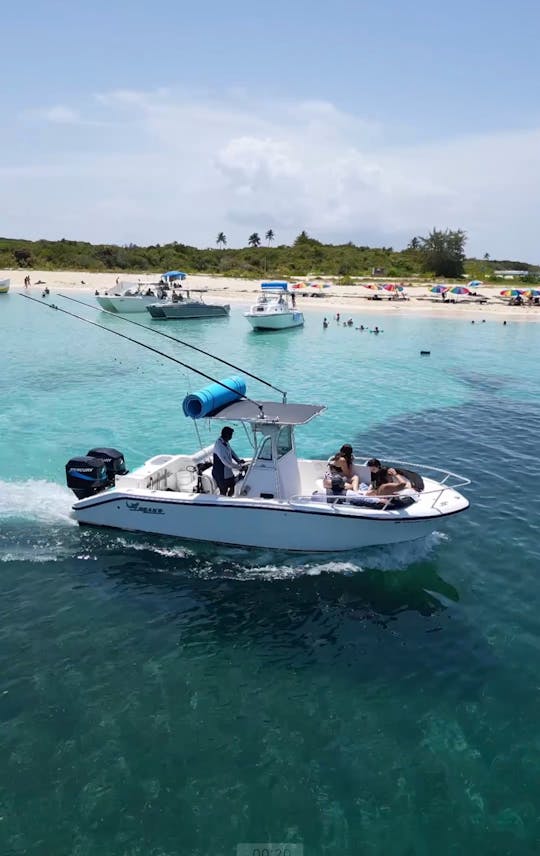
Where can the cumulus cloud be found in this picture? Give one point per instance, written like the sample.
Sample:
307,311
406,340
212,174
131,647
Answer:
183,166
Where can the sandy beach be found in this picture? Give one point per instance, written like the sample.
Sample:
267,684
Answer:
348,299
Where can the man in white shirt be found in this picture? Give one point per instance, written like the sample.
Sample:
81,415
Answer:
225,463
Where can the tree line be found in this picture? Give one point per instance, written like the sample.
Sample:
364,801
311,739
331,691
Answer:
441,253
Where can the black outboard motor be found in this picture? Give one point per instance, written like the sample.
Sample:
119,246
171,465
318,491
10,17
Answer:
86,475
113,460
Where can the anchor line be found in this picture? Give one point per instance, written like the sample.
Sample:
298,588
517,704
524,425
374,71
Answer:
148,348
181,342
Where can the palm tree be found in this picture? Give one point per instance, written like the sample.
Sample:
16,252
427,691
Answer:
221,240
486,257
269,236
254,240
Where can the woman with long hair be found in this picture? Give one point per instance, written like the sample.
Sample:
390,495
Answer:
344,459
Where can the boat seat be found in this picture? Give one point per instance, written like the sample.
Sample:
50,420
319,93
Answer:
208,484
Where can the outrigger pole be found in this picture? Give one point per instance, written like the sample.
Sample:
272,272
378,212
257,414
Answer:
148,348
180,341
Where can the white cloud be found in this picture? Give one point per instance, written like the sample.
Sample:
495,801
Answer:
58,115
180,166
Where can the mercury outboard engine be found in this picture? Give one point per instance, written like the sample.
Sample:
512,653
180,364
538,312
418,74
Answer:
113,460
86,475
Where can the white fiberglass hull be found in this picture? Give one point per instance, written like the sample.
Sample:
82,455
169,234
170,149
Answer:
4,286
124,305
300,526
274,320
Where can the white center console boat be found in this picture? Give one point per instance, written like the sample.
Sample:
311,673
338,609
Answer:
275,309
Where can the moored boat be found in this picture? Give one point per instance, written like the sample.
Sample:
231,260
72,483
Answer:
275,309
4,285
130,297
183,306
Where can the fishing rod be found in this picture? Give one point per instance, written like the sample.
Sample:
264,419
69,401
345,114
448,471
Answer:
181,342
148,348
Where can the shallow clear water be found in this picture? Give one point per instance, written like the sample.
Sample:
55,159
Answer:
159,697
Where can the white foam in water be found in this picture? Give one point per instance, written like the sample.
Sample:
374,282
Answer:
395,556
39,500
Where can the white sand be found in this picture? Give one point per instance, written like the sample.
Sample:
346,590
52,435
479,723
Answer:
346,299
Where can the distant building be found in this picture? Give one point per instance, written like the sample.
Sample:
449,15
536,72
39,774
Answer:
510,274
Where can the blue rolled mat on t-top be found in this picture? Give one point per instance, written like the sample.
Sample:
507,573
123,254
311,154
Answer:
213,397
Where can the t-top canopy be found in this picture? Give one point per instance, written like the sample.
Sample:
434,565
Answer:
276,286
272,411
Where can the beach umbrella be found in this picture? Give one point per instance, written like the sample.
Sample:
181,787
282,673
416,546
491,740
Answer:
372,286
391,286
459,289
511,292
474,283
439,289
532,292
299,285
319,285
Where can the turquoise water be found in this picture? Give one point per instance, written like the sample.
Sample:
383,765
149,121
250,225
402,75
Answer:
164,698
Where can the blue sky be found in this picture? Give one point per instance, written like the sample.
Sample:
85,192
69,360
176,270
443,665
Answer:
369,122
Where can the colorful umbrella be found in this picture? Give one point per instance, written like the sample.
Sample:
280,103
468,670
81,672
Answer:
532,292
511,292
439,289
391,286
458,289
319,285
372,286
299,285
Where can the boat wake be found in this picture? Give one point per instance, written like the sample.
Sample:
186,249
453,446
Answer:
36,500
221,562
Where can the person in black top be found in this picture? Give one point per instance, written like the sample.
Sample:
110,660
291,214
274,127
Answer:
385,480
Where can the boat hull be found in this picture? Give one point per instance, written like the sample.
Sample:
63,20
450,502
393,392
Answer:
184,311
274,321
4,286
308,528
124,305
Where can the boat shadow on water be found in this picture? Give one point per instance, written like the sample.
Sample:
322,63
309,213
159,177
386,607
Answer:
371,625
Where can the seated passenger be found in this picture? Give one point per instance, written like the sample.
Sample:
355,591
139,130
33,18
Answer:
335,482
344,461
385,481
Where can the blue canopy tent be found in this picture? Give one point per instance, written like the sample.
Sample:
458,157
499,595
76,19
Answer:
171,275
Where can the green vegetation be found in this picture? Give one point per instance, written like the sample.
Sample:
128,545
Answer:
423,257
443,253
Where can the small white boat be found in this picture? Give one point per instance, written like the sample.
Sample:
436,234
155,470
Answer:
4,286
274,309
182,306
279,501
132,297
129,297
